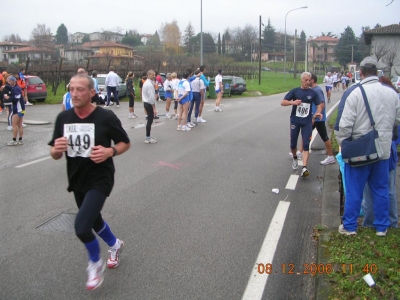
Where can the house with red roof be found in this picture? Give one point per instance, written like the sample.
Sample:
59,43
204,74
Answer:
321,49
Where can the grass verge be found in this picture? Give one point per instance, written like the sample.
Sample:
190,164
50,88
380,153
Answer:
352,257
332,120
271,83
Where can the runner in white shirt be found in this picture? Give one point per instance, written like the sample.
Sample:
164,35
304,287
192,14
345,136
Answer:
335,80
329,83
175,82
219,90
168,88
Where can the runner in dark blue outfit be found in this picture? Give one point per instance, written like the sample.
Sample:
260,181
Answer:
301,99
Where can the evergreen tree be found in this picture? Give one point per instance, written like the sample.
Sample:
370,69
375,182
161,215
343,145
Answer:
343,47
62,35
269,36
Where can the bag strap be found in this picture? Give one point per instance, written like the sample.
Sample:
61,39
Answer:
367,105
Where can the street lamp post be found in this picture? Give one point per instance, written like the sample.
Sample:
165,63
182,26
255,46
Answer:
201,30
284,54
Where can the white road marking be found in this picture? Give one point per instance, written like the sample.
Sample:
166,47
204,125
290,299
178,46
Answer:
33,162
291,184
241,102
256,285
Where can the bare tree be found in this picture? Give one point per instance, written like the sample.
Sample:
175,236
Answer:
15,38
42,36
380,49
392,57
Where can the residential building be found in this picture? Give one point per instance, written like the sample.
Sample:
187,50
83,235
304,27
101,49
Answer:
321,49
77,37
107,36
33,53
385,46
102,51
75,52
6,46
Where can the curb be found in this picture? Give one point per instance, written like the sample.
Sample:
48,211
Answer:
330,217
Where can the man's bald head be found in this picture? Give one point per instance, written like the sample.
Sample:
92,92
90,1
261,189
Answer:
81,71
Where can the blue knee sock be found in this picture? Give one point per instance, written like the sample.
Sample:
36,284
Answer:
107,236
93,249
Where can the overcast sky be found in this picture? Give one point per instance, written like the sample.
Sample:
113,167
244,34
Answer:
147,16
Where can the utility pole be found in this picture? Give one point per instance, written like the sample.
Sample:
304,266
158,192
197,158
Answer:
352,52
294,54
259,59
306,58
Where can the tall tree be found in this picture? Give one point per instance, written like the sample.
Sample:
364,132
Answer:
343,49
219,44
188,34
154,40
132,38
208,42
223,48
41,36
62,34
301,45
171,36
269,36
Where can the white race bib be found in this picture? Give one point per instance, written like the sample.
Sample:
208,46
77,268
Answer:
303,110
80,138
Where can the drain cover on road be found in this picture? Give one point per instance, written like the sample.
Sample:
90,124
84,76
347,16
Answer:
63,222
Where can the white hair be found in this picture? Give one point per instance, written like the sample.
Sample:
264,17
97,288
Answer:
305,74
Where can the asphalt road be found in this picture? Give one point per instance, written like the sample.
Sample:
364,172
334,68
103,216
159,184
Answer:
193,210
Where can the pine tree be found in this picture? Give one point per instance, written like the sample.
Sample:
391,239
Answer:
269,36
62,34
343,47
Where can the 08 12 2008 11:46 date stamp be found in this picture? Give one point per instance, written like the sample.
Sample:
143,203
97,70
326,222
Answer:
313,269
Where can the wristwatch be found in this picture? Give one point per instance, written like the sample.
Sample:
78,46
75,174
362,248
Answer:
115,151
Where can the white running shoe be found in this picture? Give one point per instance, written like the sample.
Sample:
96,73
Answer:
95,274
28,103
106,106
201,120
342,230
189,125
9,128
176,117
179,127
185,128
150,141
193,124
113,255
295,164
219,109
131,116
12,143
304,172
118,106
329,160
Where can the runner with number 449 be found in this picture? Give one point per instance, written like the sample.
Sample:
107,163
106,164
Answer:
301,99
